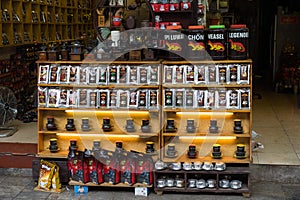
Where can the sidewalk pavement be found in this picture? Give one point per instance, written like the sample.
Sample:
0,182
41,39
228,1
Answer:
21,187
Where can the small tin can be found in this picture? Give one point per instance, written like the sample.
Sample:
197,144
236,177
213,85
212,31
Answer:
216,42
173,43
195,46
238,42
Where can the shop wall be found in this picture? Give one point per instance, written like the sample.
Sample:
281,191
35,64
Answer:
287,31
5,52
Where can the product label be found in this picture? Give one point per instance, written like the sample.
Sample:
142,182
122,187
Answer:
215,36
174,37
239,35
196,37
216,46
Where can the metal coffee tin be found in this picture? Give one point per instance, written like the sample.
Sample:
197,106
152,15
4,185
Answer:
238,42
173,44
216,42
195,43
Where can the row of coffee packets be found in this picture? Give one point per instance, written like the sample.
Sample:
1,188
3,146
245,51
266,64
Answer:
99,74
110,167
97,98
206,74
207,99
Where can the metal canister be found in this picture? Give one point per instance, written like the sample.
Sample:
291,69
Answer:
173,43
216,42
195,43
238,42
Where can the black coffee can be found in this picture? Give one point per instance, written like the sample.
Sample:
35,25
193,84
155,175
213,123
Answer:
195,43
238,42
216,45
173,44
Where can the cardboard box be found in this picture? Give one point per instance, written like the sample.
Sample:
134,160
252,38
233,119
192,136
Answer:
78,190
141,191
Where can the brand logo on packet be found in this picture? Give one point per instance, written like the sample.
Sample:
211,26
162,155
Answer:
196,46
238,35
173,46
237,46
216,46
215,36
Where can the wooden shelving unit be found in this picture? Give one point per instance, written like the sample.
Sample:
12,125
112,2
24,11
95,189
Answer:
202,138
131,140
110,185
186,16
217,175
31,22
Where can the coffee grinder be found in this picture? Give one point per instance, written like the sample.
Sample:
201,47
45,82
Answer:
70,124
192,153
149,147
96,145
106,126
171,150
216,152
237,126
85,124
146,128
50,124
72,148
53,145
213,128
240,151
190,126
170,127
130,125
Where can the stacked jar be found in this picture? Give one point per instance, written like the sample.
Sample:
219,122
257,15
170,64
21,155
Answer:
232,43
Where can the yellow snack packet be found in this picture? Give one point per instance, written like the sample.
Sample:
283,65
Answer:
56,185
46,174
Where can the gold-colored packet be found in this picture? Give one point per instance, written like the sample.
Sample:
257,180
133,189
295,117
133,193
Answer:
46,174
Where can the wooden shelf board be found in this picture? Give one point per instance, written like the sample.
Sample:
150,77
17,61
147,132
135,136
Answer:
48,154
236,170
247,61
206,110
171,189
109,86
228,170
246,135
244,189
147,62
167,85
110,62
136,86
72,182
218,190
97,134
224,159
99,109
47,132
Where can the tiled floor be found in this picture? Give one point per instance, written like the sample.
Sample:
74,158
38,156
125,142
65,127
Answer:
276,118
21,187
